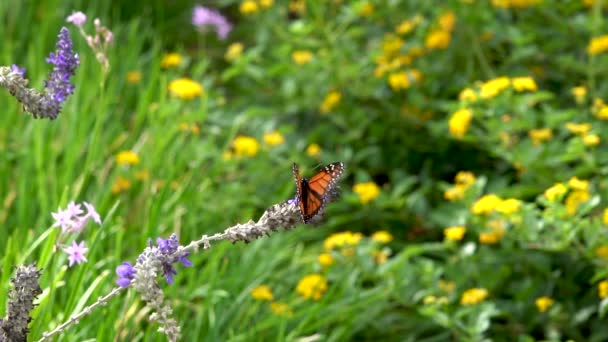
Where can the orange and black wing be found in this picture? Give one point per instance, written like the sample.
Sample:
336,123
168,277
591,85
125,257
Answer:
313,194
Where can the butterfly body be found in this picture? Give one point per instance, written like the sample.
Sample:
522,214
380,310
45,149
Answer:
312,194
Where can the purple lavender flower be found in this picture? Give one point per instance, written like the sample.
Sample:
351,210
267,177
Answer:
18,70
125,273
77,18
65,61
168,247
76,253
202,16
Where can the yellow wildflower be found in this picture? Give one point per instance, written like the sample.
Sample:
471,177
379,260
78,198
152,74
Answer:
543,303
579,94
313,150
281,309
467,94
380,257
508,206
591,139
429,299
407,26
437,39
597,45
446,286
460,121
273,138
493,87
454,233
325,259
185,88
312,286
297,6
262,292
398,81
465,178
602,112
366,9
120,184
266,3
602,251
473,296
331,101
248,7
574,199
578,184
524,83
605,216
602,288
170,60
447,21
344,239
578,128
301,56
127,158
490,238
556,191
133,77
391,44
540,135
245,146
234,51
367,191
486,204
382,236
455,193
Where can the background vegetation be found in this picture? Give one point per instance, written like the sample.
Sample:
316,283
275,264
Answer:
473,132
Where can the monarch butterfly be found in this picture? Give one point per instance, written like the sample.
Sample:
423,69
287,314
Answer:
312,194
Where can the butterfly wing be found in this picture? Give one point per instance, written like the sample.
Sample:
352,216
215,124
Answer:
301,193
313,194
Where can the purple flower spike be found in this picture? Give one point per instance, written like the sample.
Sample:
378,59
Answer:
18,70
202,16
125,273
169,247
64,59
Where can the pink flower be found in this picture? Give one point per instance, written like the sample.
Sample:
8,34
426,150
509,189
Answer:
77,18
76,253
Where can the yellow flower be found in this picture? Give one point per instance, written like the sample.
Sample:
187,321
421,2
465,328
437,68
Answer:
262,292
602,251
486,204
524,83
380,257
454,233
170,60
473,296
429,300
142,175
455,193
366,9
605,216
437,39
133,77
313,150
120,184
367,191
382,236
578,184
460,121
574,199
408,26
301,56
297,6
185,88
543,303
281,309
579,94
234,51
493,87
602,112
391,44
515,3
344,239
446,286
312,286
325,259
467,94
447,21
398,81
602,288
540,135
127,158
331,101
578,128
227,155
273,138
490,238
266,3
245,146
248,7
556,191
465,178
508,206
597,45
591,139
